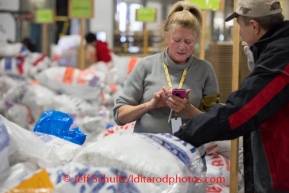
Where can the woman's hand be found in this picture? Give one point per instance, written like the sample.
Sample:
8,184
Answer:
182,106
178,104
129,113
158,100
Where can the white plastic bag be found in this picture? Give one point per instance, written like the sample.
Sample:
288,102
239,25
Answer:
20,115
218,168
4,147
37,63
14,50
66,150
15,175
6,83
27,102
77,177
93,127
25,146
129,127
86,84
18,66
124,65
217,188
150,155
73,105
221,147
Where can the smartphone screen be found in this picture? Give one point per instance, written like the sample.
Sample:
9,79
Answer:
179,92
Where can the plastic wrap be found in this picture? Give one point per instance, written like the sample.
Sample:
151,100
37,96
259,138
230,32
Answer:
58,124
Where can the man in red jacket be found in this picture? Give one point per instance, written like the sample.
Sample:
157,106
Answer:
260,106
102,50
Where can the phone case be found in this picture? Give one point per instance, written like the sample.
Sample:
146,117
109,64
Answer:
179,92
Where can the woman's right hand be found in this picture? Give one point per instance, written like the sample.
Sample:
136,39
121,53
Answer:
129,113
158,100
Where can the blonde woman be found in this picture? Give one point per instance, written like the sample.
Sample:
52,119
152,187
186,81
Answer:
147,97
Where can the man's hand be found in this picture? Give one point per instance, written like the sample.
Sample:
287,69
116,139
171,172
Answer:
250,58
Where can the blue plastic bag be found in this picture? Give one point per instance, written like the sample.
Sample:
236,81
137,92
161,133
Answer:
58,124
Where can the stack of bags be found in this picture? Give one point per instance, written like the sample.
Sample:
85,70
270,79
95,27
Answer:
120,162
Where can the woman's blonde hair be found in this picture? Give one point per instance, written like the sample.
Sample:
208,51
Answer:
184,14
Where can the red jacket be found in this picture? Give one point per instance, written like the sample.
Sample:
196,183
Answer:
102,51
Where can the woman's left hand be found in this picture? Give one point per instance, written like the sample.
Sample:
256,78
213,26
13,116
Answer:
178,104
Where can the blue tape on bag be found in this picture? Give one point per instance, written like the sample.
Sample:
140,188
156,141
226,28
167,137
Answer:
58,124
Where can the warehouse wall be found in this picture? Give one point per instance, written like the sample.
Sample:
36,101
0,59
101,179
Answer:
103,19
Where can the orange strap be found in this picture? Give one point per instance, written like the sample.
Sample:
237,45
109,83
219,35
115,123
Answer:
113,88
34,82
68,75
131,64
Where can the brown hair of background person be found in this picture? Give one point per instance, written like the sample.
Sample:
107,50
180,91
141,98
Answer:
102,51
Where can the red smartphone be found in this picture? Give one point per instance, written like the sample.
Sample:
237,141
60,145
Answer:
179,92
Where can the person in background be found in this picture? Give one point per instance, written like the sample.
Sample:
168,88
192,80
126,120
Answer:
29,44
147,97
102,51
260,106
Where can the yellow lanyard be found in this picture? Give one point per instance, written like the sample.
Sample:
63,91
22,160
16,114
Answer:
169,79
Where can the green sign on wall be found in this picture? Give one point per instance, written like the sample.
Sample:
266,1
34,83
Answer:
81,9
44,16
146,14
207,4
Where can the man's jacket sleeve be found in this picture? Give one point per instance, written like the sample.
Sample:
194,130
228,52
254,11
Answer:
259,97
